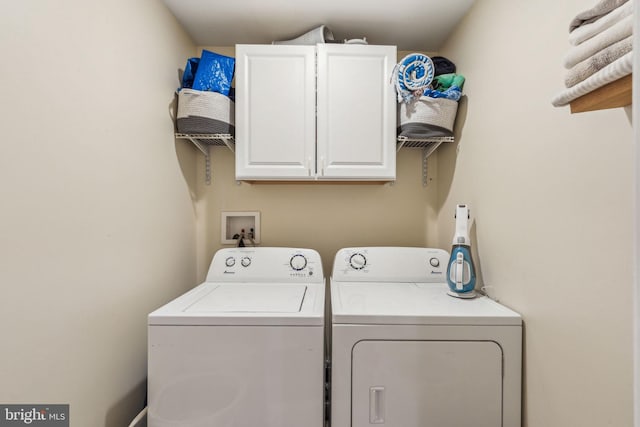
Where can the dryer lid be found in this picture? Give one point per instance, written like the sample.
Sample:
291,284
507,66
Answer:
388,303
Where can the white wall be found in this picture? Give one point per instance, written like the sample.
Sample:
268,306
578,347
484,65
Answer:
97,224
551,194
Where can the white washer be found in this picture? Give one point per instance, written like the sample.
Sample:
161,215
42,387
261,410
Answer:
406,354
244,348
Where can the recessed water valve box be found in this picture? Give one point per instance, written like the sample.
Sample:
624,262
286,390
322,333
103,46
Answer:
232,223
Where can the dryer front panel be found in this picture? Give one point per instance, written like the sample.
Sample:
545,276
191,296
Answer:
427,384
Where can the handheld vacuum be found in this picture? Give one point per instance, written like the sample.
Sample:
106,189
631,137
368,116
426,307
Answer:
461,273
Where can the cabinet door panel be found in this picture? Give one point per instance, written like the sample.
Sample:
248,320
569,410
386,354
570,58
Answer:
356,123
275,112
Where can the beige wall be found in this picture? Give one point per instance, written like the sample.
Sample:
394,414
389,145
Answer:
325,217
551,194
97,218
103,213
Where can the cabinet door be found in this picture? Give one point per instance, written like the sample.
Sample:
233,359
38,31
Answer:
356,116
275,112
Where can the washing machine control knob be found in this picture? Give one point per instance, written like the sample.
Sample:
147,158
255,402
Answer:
230,262
435,262
298,262
357,261
246,261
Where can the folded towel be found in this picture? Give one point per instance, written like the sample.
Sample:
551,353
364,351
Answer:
413,74
598,61
445,81
442,65
591,29
616,70
590,15
615,33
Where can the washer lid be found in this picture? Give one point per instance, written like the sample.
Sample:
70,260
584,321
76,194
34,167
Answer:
231,298
245,304
413,304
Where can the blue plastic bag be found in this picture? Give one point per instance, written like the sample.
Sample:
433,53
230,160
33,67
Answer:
189,73
214,73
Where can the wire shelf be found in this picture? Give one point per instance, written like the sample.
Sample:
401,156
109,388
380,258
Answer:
216,139
403,141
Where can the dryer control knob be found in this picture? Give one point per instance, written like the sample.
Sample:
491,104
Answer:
298,262
435,262
358,261
246,261
230,262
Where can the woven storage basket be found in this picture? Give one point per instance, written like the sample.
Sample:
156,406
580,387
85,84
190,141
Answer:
430,112
205,112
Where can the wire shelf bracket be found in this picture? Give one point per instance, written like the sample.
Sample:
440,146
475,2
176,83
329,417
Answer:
203,141
428,146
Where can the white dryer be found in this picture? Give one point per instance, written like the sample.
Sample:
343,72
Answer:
406,354
244,348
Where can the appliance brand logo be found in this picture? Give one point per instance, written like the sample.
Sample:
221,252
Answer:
228,272
436,272
34,415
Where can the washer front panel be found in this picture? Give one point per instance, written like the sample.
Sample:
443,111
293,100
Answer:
223,376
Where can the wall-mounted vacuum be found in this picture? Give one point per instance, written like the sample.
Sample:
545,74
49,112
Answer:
461,273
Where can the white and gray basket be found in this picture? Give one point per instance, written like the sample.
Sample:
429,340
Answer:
427,117
203,112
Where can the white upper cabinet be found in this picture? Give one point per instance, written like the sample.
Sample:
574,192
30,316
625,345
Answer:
281,136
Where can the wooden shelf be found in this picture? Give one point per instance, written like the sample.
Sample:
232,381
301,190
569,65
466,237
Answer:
612,95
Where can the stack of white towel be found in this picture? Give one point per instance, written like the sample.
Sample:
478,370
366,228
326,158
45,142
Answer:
601,49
